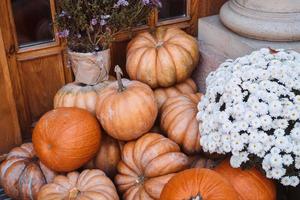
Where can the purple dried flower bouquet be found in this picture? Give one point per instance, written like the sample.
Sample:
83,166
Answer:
91,25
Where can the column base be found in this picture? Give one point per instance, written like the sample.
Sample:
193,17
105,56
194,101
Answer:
257,24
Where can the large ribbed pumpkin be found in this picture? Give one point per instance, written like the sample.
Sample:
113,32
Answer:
88,185
162,59
198,184
147,165
178,121
107,157
250,184
186,87
22,174
126,109
66,138
79,95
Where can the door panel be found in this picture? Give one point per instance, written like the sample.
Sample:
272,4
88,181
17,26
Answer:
41,78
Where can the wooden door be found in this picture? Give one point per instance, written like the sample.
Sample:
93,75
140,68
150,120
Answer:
35,55
10,131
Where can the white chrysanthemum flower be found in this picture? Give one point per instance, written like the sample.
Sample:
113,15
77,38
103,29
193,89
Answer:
295,133
286,181
226,147
237,144
281,123
279,132
235,161
277,173
255,148
296,150
275,150
257,112
281,142
294,181
297,162
276,160
287,160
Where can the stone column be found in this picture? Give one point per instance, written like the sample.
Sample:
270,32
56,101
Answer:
270,20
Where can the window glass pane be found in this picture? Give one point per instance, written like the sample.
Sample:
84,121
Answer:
33,22
172,9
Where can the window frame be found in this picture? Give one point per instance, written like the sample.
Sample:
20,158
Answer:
34,47
153,22
174,20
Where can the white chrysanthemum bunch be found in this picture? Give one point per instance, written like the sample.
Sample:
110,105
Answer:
251,110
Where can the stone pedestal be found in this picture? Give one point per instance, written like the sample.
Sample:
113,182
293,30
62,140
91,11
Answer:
218,43
272,20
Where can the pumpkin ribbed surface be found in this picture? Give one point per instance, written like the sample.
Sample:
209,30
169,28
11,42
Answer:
128,113
22,174
186,87
108,156
66,138
250,184
198,184
147,165
163,58
178,121
79,95
88,185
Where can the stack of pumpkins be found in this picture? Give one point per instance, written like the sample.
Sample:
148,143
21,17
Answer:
125,155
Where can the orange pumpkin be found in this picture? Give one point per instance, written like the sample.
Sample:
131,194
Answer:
198,184
89,184
66,138
80,95
147,165
186,87
178,121
22,174
250,184
107,157
126,109
163,58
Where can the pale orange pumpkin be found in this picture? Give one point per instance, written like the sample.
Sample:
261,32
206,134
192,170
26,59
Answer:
80,95
126,109
88,185
250,184
186,87
178,121
108,156
162,59
198,184
22,174
147,165
66,138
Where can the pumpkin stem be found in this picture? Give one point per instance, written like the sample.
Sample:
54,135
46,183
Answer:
140,180
119,74
73,193
159,44
198,197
